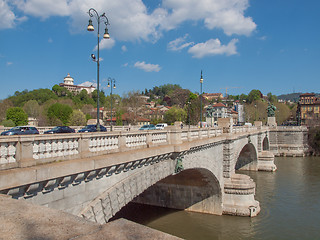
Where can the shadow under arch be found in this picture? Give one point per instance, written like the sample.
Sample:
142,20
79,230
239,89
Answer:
247,159
265,144
196,190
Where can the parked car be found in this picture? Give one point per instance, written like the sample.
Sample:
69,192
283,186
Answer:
20,130
92,128
161,126
148,127
60,129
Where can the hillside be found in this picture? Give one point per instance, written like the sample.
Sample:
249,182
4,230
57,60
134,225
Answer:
294,97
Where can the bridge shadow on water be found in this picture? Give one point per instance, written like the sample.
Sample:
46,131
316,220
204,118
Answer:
142,213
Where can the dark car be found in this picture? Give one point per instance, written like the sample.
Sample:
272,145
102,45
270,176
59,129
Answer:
148,127
20,130
60,129
92,128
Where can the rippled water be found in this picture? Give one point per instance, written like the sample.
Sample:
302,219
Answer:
289,200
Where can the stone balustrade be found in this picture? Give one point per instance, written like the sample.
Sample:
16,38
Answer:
31,150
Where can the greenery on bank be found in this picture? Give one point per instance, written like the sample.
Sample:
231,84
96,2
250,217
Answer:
59,106
314,140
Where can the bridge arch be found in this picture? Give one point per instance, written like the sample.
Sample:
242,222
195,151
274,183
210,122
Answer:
247,158
196,190
193,189
108,203
265,144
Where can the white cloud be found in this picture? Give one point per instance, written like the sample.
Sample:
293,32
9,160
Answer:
179,44
147,67
124,48
105,44
9,63
213,47
7,17
227,15
44,9
88,84
130,20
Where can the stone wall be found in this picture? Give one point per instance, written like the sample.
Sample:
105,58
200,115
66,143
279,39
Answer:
289,141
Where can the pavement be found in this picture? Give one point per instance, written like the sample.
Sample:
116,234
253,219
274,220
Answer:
21,220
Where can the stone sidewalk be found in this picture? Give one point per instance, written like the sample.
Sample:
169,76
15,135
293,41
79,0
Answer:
22,220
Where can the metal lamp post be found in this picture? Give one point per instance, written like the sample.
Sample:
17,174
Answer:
201,81
111,85
93,13
189,105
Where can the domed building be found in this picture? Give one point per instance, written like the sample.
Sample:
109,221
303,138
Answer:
68,83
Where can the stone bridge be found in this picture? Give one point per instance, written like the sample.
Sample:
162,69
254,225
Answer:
95,174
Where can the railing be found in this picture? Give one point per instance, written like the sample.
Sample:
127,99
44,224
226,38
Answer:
30,150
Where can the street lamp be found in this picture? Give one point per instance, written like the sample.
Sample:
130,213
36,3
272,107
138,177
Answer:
189,105
201,81
93,13
111,85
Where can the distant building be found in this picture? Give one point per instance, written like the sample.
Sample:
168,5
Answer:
33,122
68,83
212,96
239,108
308,109
219,110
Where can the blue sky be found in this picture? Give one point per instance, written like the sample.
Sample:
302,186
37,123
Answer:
270,45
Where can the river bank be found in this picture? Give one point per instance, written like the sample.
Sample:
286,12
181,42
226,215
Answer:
289,200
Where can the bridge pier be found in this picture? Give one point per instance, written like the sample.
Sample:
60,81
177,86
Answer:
266,161
238,199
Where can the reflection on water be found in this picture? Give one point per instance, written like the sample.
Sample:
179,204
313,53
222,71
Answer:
289,200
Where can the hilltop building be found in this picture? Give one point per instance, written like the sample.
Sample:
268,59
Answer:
68,83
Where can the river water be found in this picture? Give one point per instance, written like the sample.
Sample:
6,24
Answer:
289,200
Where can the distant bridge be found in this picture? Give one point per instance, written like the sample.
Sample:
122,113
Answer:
95,174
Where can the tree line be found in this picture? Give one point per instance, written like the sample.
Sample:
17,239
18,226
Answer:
59,106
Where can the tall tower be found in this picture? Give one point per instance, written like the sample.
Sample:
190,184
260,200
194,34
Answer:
68,80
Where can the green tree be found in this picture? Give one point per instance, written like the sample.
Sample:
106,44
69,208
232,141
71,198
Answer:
119,118
175,114
83,98
133,105
59,112
78,118
89,111
60,91
272,98
243,97
314,140
17,115
179,97
192,109
4,105
254,95
256,111
40,95
32,108
7,123
283,113
102,97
